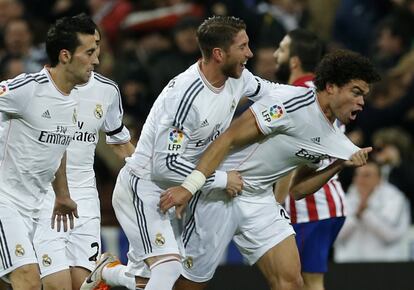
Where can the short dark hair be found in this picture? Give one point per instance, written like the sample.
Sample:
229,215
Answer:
64,35
218,31
342,66
307,47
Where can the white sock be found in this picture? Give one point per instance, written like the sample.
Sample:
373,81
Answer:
115,276
164,275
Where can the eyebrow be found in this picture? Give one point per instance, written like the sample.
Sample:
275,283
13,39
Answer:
360,90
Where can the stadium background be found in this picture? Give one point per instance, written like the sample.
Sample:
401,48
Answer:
147,42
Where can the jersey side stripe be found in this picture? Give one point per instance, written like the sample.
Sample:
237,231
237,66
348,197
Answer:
173,165
330,200
107,81
259,85
139,212
311,206
186,103
5,247
25,77
189,105
183,99
29,80
301,97
298,102
304,105
190,226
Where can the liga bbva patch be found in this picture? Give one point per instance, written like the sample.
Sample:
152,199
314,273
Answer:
175,140
273,113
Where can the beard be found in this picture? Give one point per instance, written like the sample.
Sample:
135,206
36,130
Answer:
283,73
230,70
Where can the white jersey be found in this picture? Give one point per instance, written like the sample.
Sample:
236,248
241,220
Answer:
38,123
100,108
187,116
297,133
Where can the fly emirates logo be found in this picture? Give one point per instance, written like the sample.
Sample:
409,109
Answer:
84,136
57,137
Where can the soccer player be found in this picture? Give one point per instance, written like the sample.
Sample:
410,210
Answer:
192,110
291,127
66,258
318,217
39,116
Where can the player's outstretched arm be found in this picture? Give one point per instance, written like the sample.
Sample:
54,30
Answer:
64,207
307,180
243,131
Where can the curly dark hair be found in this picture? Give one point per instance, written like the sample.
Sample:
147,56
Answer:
342,66
218,31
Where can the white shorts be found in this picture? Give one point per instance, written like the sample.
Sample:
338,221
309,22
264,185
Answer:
255,224
149,231
16,236
57,251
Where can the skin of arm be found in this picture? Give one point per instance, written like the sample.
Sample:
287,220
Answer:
306,180
244,130
123,150
281,190
64,206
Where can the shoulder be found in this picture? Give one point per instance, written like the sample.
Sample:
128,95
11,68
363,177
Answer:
105,82
26,81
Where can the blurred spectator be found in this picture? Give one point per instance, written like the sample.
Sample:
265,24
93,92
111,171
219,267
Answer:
264,64
109,14
393,40
378,219
394,152
355,23
11,67
18,42
163,67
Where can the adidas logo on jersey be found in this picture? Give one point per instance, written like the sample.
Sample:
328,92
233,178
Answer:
204,123
46,114
316,140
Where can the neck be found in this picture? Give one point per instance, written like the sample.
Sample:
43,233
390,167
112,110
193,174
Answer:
323,100
212,73
61,80
296,74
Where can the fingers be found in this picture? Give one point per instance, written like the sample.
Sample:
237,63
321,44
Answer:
179,211
166,201
65,222
58,222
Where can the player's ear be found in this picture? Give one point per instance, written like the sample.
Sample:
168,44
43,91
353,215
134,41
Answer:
218,54
64,56
294,62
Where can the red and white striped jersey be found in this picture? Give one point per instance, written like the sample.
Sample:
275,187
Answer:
327,202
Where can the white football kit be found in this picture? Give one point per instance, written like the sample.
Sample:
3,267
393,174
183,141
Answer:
38,122
100,108
187,116
298,133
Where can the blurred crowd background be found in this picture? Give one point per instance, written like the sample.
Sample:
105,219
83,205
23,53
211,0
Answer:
147,42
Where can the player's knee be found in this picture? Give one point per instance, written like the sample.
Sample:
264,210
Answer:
291,281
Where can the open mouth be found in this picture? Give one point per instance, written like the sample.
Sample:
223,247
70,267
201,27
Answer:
354,114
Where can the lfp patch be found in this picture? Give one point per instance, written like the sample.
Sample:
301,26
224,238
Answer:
175,140
276,112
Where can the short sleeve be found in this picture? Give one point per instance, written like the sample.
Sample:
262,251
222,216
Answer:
270,115
13,99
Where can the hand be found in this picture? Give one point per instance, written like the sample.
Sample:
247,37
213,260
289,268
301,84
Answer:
64,207
176,196
234,183
359,158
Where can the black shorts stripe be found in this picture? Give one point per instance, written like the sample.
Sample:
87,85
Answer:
107,81
5,248
190,225
293,100
116,131
186,102
140,215
301,106
259,86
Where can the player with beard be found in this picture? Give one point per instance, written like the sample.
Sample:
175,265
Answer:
292,127
317,218
192,110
